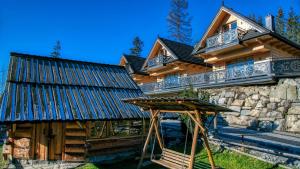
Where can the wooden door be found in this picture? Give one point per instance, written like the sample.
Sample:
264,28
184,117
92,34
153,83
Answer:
55,140
49,141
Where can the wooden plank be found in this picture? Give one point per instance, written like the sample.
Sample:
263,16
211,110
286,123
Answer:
177,153
75,133
75,150
74,141
23,133
209,153
52,139
176,159
111,151
194,143
25,125
63,142
174,156
33,144
168,164
73,125
37,141
43,151
74,157
147,141
58,138
114,145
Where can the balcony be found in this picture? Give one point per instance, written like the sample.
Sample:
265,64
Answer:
222,40
158,61
261,72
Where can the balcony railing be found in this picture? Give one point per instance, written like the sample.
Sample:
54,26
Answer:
157,61
259,72
222,40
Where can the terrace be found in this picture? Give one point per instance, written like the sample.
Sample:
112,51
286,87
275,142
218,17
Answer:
222,40
261,72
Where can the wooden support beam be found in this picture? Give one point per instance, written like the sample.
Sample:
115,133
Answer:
159,139
196,121
194,146
147,142
209,153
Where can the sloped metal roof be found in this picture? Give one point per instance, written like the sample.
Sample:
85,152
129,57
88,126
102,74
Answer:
43,89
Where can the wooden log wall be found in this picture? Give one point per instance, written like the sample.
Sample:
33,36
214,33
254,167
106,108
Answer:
63,141
75,137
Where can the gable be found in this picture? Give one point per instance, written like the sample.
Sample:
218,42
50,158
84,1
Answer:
226,16
159,48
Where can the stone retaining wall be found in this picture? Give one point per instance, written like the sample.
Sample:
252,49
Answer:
267,107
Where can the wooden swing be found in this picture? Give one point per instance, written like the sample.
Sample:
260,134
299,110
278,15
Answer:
194,108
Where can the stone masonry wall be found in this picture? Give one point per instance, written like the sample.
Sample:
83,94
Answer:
267,107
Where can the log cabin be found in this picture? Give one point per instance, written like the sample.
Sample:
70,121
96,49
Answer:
60,109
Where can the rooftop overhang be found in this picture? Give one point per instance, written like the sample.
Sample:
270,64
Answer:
177,105
248,47
172,67
237,52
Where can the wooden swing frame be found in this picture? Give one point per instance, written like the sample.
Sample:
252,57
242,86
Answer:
195,109
195,117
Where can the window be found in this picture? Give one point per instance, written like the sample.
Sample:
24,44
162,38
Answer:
233,25
229,26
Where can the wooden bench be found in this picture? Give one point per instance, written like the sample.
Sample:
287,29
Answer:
173,160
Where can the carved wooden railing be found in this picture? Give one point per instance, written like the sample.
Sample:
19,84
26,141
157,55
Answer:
157,61
258,70
217,41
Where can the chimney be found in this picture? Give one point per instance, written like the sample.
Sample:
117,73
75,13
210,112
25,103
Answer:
269,20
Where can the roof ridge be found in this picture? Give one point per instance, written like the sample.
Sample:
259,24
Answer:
176,42
17,54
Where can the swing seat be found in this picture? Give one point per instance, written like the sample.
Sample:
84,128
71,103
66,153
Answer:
173,160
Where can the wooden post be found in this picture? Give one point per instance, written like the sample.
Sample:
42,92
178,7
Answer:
194,146
160,142
209,153
153,121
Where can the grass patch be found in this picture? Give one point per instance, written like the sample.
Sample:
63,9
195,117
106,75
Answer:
225,159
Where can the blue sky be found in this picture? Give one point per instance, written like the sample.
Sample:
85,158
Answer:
100,31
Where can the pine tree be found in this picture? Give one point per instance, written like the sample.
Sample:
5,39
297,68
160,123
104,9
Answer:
179,22
291,28
56,50
280,24
298,29
137,48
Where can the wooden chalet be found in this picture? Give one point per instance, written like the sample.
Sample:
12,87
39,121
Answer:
133,65
234,50
167,65
244,52
59,109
